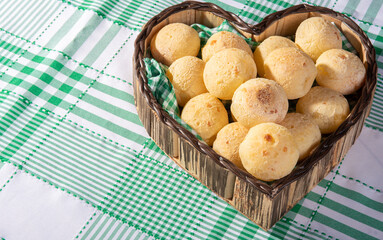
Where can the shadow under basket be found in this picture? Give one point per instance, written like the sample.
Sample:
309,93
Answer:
263,203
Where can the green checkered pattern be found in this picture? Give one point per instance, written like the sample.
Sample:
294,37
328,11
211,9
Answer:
102,226
152,151
130,13
67,117
161,87
38,13
35,74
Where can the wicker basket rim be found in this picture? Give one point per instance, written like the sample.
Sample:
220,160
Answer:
302,167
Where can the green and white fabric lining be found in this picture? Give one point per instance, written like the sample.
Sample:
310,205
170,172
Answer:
68,120
160,85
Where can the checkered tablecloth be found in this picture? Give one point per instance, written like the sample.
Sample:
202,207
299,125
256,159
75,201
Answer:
78,164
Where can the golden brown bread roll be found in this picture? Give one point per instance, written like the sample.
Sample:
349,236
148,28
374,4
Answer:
327,107
266,47
174,41
206,115
305,131
228,140
259,100
292,69
227,70
186,76
223,40
341,71
316,35
268,151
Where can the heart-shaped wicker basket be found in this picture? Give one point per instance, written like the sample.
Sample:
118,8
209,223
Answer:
261,202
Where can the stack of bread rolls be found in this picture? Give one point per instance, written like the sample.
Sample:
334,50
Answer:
238,100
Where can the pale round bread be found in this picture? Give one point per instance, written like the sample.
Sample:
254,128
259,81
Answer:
268,152
341,71
186,76
223,40
228,140
292,69
266,47
259,100
206,115
174,41
327,107
305,131
227,70
316,35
